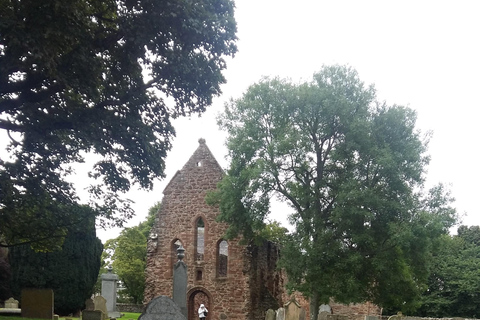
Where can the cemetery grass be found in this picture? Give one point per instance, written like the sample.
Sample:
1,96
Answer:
130,315
20,318
126,316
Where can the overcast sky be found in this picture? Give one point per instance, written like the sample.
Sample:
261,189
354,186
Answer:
420,54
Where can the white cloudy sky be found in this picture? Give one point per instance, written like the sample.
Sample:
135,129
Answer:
422,54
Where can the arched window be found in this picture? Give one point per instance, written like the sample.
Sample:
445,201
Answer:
175,245
199,240
222,258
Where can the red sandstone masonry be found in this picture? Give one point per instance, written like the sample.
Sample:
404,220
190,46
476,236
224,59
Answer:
252,285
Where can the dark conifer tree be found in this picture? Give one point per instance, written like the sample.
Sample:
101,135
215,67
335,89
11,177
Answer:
71,272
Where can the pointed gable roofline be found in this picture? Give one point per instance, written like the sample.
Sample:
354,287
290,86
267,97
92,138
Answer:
202,157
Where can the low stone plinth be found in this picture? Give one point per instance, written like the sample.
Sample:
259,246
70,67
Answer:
10,312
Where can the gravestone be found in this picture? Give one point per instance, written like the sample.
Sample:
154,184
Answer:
162,308
11,304
93,315
270,315
325,308
293,311
281,314
373,318
323,315
37,303
89,305
180,282
109,292
100,304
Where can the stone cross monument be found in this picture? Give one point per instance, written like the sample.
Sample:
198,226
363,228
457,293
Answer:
180,282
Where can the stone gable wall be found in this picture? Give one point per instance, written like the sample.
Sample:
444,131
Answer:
183,203
252,285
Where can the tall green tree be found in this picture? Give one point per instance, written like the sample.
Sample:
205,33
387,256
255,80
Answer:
71,271
128,255
352,171
454,283
86,76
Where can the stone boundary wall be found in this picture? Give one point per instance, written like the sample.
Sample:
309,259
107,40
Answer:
420,318
129,307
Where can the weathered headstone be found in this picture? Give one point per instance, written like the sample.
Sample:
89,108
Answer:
37,303
325,308
100,304
89,305
162,308
11,304
180,282
109,292
323,315
369,317
93,315
293,311
270,315
281,314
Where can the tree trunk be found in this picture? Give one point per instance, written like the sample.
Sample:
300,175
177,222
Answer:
314,306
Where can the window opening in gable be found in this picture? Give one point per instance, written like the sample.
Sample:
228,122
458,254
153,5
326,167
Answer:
200,240
199,275
222,258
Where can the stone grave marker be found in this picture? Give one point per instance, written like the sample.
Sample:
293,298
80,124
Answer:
369,317
270,315
37,303
11,304
281,314
89,305
325,308
162,308
93,315
100,303
293,311
109,292
322,315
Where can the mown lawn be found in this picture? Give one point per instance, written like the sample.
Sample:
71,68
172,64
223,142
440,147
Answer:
126,316
130,315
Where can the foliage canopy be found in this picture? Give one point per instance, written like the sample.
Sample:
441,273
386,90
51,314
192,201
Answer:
128,256
454,283
95,76
351,170
71,271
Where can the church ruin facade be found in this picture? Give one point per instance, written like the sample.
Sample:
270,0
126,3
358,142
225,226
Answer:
234,281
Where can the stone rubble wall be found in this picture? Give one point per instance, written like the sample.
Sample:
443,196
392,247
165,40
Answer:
130,307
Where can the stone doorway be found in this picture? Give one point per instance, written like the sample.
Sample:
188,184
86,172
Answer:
197,297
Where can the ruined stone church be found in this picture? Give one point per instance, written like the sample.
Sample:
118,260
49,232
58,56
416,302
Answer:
233,281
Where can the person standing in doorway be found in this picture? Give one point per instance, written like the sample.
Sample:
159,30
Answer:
202,312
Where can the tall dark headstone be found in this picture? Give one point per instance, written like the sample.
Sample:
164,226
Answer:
180,282
37,303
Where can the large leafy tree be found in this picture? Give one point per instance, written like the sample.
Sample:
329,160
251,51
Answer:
352,171
128,256
454,283
71,271
94,76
